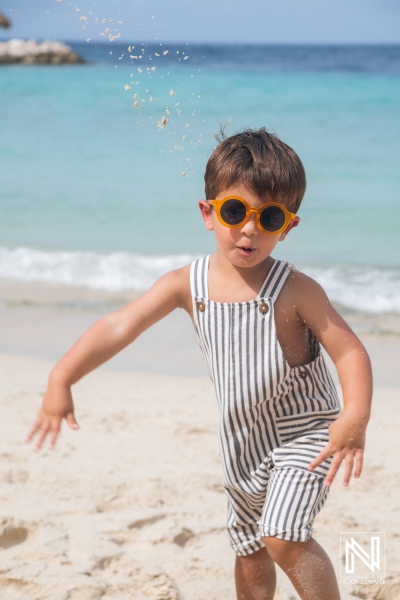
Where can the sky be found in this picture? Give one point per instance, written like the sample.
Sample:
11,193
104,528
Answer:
225,21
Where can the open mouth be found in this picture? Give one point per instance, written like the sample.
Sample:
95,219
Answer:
246,251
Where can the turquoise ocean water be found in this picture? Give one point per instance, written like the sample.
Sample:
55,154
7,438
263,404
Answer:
96,191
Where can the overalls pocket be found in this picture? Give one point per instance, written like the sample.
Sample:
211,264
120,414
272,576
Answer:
293,426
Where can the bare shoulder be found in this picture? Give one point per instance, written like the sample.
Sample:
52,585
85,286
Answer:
169,292
299,285
173,287
309,303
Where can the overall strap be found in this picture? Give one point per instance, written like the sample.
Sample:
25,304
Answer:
199,277
275,280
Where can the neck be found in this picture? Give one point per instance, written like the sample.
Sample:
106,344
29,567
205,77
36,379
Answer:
232,283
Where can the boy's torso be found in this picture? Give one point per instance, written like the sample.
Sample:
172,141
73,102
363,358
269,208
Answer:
292,333
263,400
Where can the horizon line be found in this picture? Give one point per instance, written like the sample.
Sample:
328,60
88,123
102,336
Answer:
204,43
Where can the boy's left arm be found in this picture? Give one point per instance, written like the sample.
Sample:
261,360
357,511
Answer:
347,433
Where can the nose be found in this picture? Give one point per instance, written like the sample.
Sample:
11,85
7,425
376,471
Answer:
249,227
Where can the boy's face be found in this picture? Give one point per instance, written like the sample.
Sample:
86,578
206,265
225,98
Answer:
246,245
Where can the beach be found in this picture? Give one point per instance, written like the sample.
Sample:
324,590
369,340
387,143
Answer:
132,506
103,167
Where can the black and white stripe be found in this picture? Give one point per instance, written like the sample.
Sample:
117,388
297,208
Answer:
273,418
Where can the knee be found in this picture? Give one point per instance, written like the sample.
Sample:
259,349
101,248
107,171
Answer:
252,562
283,552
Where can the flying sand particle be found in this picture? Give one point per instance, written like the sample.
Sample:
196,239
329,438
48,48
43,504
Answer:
161,124
136,103
83,18
127,87
172,93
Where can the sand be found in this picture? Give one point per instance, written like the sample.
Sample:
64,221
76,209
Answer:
131,506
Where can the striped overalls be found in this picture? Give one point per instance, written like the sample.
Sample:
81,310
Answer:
274,418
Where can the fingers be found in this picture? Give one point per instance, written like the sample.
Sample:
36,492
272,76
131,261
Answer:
334,468
49,427
45,426
352,459
41,437
348,458
359,463
40,429
322,456
32,431
348,468
71,421
54,435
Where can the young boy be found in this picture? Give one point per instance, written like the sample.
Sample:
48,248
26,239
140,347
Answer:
260,324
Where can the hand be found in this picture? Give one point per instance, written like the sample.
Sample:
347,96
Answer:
346,443
57,405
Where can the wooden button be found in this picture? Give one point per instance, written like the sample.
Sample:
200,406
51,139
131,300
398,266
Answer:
263,308
201,306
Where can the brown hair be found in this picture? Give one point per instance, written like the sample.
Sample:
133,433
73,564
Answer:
260,161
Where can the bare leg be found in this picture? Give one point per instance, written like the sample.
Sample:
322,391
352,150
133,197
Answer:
255,576
308,567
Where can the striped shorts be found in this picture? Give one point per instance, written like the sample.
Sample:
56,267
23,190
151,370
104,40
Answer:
291,499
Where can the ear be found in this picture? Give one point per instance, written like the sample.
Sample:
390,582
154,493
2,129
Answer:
293,223
206,211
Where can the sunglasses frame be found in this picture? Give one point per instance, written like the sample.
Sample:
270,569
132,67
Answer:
251,209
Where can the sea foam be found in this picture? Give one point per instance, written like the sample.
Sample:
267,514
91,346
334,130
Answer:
359,288
114,272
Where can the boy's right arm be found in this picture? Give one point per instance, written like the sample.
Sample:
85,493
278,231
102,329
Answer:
100,343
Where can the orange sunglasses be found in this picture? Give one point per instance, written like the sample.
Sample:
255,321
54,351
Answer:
233,211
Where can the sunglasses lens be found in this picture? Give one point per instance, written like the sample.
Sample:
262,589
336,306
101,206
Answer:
233,212
272,218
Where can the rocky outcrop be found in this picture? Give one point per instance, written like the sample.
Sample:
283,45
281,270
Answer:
4,22
31,52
